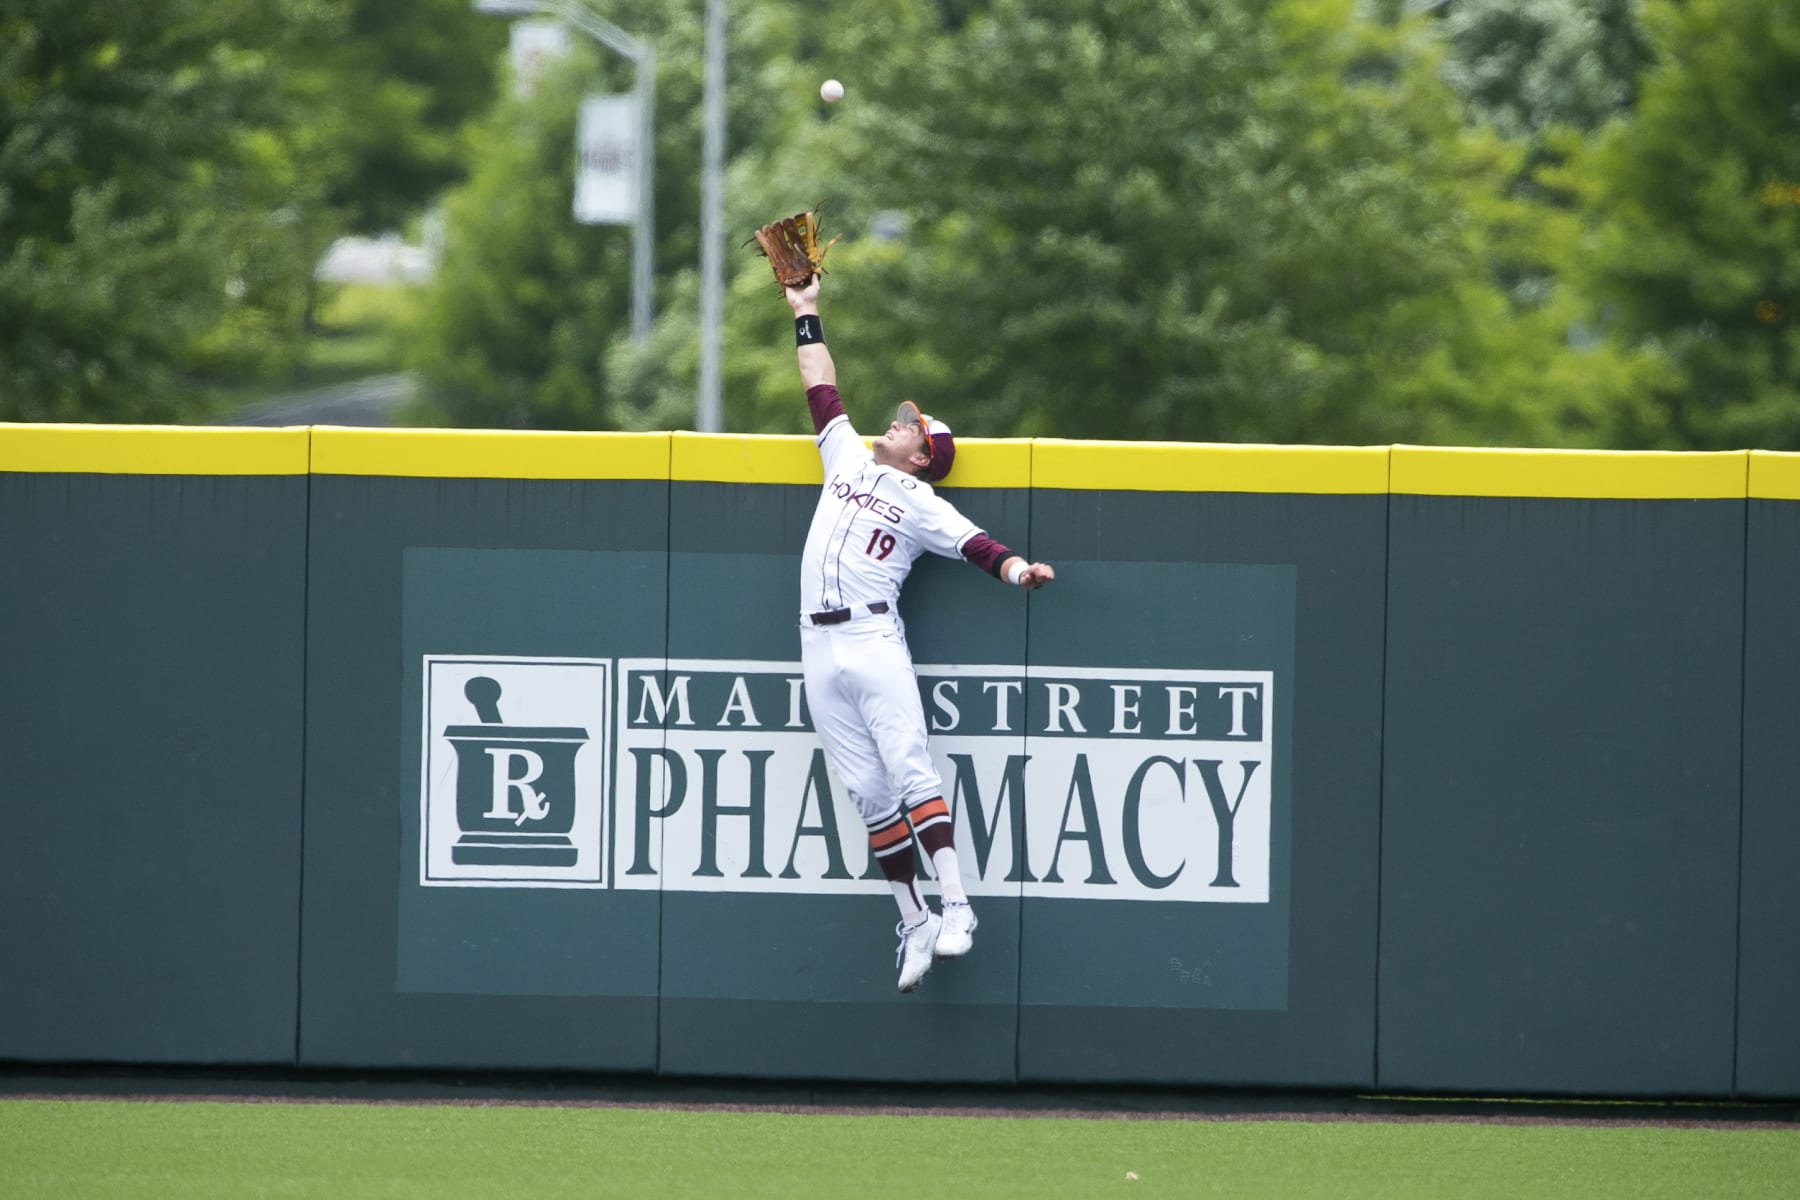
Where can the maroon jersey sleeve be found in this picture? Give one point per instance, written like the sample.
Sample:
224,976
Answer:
986,553
822,400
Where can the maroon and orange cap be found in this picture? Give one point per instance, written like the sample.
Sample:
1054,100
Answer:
940,446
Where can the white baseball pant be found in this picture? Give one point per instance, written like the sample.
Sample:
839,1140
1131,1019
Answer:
865,706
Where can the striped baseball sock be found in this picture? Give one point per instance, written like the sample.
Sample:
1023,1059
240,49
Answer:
892,845
937,834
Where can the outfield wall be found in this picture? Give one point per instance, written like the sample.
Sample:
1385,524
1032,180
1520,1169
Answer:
1383,768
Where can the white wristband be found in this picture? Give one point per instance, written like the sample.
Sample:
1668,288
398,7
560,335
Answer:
1016,573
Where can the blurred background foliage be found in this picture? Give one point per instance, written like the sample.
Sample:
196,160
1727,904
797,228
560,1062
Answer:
1490,222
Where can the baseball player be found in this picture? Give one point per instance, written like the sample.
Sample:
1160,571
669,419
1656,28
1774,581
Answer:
877,513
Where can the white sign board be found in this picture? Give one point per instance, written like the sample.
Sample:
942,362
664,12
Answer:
607,161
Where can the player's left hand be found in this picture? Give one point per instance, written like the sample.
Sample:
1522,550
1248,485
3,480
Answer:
805,298
1036,576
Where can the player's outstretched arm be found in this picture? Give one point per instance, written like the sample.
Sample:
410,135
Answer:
1028,575
816,366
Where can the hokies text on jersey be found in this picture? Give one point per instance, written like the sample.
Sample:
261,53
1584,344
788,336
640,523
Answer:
845,491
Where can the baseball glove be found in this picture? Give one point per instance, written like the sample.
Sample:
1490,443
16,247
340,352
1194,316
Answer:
792,247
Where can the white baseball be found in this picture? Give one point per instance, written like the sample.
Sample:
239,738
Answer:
831,91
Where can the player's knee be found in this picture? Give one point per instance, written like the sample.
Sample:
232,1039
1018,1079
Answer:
922,790
876,809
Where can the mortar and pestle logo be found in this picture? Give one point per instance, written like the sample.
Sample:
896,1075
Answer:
515,786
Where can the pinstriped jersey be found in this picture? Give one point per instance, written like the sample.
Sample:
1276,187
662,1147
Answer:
872,524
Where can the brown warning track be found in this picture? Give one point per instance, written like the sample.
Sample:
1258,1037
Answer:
899,1111
1198,1108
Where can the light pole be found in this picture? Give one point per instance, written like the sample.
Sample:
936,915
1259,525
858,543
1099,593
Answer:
707,415
643,58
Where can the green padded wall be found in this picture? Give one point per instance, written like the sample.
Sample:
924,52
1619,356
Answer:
801,983
409,962
152,629
1270,993
1399,768
1560,795
1768,1052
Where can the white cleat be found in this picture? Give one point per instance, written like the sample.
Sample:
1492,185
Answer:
916,944
958,934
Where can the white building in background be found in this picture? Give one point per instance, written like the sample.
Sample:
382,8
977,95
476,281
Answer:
386,259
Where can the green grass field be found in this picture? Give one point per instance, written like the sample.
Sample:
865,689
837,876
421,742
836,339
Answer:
94,1148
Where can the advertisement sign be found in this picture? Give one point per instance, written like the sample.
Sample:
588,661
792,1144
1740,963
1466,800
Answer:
607,160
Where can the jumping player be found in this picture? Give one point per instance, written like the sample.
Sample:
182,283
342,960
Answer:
876,515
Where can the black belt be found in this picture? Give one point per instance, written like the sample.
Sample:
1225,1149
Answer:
837,616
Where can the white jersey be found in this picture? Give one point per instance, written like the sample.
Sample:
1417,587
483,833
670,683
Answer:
871,525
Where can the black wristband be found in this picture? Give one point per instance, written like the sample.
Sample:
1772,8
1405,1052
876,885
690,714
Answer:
808,331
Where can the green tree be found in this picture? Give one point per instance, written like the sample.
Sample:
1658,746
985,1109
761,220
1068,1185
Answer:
516,320
1532,78
1148,220
1693,225
527,322
157,220
1525,65
408,77
1134,221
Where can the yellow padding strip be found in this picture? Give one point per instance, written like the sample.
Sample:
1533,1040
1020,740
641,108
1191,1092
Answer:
995,463
1570,474
1774,475
753,458
152,450
744,458
1188,467
486,454
992,463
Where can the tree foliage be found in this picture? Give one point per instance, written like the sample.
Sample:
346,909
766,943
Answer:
170,171
154,205
409,77
524,300
1523,66
1534,222
1250,222
1155,221
528,321
1692,210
